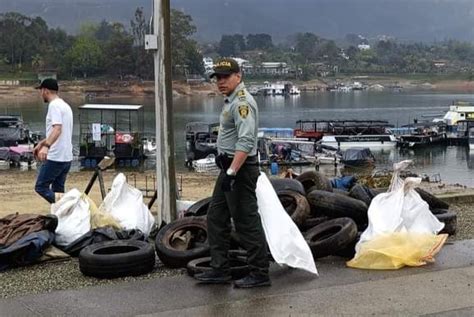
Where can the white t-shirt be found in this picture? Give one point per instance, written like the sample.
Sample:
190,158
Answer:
59,112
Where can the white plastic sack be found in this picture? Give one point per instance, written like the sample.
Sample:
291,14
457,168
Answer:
284,239
73,215
401,209
125,204
182,206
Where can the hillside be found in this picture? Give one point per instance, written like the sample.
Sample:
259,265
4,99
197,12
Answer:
421,20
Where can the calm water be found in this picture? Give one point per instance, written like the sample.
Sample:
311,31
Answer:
454,164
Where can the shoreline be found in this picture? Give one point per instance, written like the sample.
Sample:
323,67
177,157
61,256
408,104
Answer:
128,89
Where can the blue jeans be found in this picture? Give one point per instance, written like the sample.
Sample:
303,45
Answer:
51,179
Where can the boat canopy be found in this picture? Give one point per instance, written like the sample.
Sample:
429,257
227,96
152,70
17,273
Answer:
357,154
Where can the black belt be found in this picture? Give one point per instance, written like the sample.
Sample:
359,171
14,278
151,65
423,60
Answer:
224,160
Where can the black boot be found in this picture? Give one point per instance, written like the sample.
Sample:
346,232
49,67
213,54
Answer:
253,280
213,277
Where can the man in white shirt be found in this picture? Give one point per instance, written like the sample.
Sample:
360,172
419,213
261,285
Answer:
55,151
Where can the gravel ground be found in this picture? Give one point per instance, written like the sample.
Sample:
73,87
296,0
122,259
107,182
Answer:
465,217
48,277
53,276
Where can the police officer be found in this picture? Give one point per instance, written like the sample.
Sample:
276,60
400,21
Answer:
234,193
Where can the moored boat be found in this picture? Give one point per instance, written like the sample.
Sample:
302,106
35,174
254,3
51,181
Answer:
425,133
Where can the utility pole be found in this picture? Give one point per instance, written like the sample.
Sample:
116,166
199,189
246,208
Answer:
160,43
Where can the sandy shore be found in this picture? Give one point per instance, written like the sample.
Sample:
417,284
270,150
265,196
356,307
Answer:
17,188
126,89
107,89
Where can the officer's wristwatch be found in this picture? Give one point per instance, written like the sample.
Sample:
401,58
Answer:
230,172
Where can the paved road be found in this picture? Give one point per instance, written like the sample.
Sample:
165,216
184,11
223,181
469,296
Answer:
445,288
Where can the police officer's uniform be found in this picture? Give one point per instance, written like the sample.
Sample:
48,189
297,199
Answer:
238,131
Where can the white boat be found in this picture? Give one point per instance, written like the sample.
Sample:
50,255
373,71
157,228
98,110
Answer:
460,110
294,90
273,89
369,141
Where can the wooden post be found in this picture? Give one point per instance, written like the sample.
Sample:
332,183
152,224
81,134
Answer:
165,166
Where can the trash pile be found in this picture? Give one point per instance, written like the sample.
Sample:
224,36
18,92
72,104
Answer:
305,218
110,240
331,214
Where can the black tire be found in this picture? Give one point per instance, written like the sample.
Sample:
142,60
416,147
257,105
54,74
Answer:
335,190
238,266
280,184
376,191
331,236
436,211
117,258
296,205
313,178
450,221
359,192
336,206
172,257
199,208
433,201
312,222
349,251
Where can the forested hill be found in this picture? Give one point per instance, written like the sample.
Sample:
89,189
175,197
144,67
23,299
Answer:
421,20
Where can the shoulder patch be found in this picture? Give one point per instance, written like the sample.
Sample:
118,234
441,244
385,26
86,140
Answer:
243,111
241,93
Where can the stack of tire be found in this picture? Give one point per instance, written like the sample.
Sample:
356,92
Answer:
331,221
328,218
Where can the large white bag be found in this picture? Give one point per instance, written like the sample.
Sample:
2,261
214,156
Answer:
73,212
284,239
401,209
125,204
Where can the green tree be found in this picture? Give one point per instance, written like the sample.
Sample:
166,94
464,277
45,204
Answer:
104,31
306,46
259,41
143,59
231,45
85,57
185,50
119,48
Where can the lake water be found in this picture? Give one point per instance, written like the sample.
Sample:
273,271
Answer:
454,164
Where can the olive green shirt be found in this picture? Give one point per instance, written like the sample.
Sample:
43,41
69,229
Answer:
238,123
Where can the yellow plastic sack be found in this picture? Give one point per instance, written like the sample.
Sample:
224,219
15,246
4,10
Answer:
395,250
99,218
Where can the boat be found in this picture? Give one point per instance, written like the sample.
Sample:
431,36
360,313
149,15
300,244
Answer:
344,134
358,157
111,130
201,141
285,151
277,89
370,141
279,145
13,131
424,133
294,90
458,111
312,129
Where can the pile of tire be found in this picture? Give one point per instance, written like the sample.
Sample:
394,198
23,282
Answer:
330,220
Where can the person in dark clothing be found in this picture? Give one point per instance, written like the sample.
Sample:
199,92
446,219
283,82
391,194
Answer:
234,193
